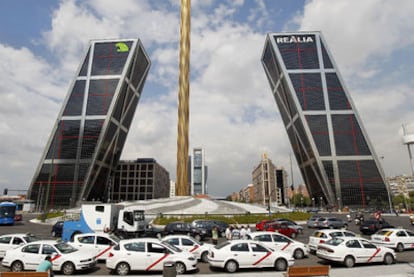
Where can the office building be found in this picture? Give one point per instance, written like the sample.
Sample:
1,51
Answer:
198,172
140,179
266,191
89,134
335,157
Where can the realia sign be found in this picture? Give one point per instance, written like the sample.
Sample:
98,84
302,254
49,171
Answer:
294,39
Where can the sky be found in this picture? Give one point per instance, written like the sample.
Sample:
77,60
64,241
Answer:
233,114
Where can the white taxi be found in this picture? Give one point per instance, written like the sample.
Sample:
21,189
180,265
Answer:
148,254
198,249
12,241
99,243
396,238
65,258
352,250
320,236
235,254
281,242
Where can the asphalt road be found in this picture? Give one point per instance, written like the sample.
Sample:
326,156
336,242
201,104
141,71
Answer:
43,231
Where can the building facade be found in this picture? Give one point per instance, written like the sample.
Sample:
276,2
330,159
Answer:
282,185
336,159
86,142
266,191
140,179
198,172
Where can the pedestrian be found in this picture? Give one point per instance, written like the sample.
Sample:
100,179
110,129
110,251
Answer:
235,234
248,230
242,232
228,232
46,266
214,235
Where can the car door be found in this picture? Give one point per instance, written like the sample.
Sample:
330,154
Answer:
5,244
282,243
260,255
30,256
156,255
376,254
136,255
242,254
49,250
410,239
103,245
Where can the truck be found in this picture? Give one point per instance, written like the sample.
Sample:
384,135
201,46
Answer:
125,222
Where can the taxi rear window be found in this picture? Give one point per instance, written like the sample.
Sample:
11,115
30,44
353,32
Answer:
320,234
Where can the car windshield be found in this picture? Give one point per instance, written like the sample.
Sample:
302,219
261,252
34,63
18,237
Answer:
222,244
334,241
30,238
65,248
171,247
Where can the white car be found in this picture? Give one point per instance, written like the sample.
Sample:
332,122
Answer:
198,249
235,254
352,250
12,241
281,242
148,254
99,243
396,238
320,236
65,258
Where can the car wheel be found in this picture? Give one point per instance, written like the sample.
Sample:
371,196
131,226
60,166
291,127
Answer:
298,254
180,268
198,237
400,247
349,261
17,266
68,268
122,269
293,235
231,266
388,259
281,265
204,257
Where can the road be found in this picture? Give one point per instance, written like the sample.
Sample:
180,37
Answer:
43,231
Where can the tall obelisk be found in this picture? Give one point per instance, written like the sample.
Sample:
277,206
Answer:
183,101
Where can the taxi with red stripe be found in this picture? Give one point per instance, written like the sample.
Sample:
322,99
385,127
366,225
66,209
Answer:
235,254
354,250
397,238
280,242
65,258
148,254
198,249
99,243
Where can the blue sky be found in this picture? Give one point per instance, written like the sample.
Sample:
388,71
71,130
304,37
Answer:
233,114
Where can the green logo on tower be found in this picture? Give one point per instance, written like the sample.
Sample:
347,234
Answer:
121,47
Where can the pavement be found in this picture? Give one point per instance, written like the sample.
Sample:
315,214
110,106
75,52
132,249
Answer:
395,270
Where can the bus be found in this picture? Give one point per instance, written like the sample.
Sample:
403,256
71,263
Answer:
7,213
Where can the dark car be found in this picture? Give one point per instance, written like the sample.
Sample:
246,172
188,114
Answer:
209,224
57,229
371,226
185,228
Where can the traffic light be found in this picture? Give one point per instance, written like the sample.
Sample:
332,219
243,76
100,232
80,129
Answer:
5,191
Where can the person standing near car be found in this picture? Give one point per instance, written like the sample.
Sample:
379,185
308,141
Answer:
228,232
46,266
214,235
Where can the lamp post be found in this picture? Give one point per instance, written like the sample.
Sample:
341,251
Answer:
320,202
339,203
313,202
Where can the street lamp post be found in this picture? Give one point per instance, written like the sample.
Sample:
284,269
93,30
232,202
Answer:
320,202
313,202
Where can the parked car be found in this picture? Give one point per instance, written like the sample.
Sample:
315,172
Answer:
352,250
282,228
280,242
57,229
260,225
148,254
65,258
331,223
187,243
321,236
12,241
293,225
312,222
235,254
184,228
397,238
99,243
371,226
208,225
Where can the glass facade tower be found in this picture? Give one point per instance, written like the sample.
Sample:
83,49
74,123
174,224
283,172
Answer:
89,134
336,159
198,169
